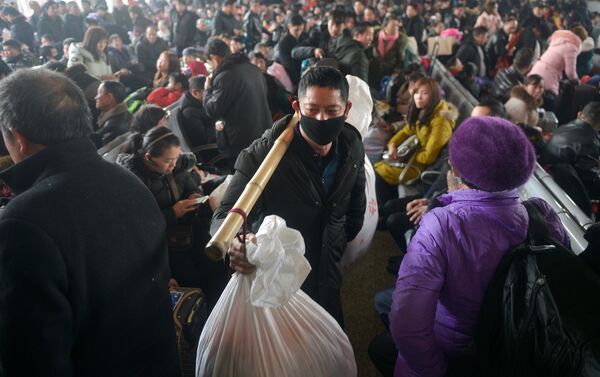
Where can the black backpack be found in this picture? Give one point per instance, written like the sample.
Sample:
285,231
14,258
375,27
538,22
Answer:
541,312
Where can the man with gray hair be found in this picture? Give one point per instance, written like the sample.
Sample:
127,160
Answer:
83,260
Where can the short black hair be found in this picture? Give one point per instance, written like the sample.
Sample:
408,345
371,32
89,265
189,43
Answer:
360,28
179,78
118,90
338,16
257,55
68,41
523,58
197,82
146,118
217,47
11,11
479,30
591,113
296,20
496,107
228,2
324,77
12,43
62,111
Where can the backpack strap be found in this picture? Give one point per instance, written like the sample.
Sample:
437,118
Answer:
537,229
173,187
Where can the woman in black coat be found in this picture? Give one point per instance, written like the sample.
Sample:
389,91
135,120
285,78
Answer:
158,162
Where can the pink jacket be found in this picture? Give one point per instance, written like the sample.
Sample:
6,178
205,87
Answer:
560,56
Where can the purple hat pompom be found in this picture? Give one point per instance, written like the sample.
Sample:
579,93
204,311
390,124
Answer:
492,154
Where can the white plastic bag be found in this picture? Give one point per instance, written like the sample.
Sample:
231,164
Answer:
264,326
361,112
361,243
360,116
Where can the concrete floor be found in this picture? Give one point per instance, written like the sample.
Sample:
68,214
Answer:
367,276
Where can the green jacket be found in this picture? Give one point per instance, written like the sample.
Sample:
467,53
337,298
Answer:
398,57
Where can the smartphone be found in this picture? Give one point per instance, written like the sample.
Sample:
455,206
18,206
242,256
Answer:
201,200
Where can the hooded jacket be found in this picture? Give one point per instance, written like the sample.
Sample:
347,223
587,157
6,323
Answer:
296,193
561,56
432,139
238,96
447,268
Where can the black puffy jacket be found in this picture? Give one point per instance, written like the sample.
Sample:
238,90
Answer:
238,96
296,194
504,81
22,31
158,185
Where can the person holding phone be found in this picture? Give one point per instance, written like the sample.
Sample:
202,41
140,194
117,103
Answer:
160,164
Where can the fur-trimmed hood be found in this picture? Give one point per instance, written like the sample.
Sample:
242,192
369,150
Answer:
448,111
520,93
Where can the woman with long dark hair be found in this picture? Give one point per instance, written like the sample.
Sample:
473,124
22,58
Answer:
431,119
167,63
93,53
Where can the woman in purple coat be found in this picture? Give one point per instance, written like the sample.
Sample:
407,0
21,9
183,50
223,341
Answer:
454,254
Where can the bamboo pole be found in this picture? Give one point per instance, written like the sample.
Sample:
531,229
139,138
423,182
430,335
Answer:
218,245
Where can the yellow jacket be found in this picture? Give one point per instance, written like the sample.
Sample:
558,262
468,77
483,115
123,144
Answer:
432,138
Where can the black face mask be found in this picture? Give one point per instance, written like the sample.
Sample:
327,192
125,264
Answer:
322,132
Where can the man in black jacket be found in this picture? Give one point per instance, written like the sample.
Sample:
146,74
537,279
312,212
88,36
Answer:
236,94
252,25
224,21
197,127
350,52
11,52
578,145
114,118
414,26
148,49
496,46
322,40
283,50
318,188
514,75
184,27
471,50
74,23
20,29
83,261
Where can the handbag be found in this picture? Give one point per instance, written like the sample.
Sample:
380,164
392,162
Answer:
190,313
407,149
181,237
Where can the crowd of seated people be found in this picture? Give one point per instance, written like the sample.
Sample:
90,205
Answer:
231,69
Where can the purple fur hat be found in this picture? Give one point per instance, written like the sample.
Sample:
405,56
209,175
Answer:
491,154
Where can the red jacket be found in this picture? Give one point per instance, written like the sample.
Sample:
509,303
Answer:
163,97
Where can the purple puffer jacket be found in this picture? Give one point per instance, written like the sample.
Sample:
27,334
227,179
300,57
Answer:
448,266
